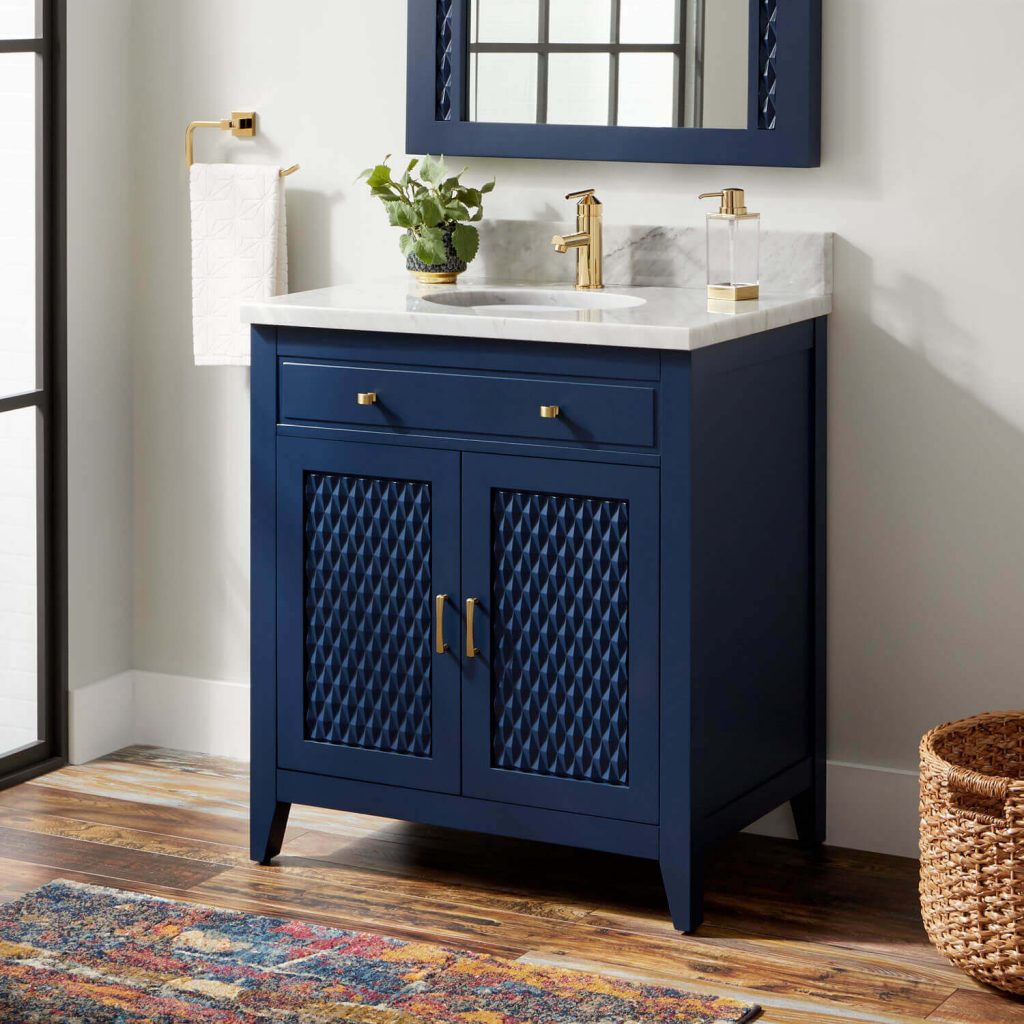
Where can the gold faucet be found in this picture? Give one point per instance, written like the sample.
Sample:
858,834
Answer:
588,241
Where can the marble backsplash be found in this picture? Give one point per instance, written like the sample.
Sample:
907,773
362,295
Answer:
521,251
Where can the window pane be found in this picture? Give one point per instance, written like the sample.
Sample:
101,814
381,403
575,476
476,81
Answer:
504,87
18,222
18,643
505,21
578,86
646,88
650,21
19,19
581,21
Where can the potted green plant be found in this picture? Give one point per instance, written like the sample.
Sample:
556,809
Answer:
437,213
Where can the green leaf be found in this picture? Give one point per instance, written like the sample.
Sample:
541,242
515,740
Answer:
430,246
466,242
379,176
471,196
429,212
406,178
432,171
489,187
452,186
406,243
456,211
401,214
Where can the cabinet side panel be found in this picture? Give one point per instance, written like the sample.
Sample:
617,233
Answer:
679,839
753,563
265,816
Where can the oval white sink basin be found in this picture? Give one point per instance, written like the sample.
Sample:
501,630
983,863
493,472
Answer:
531,300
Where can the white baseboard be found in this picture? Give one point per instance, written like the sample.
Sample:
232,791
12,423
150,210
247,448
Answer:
203,715
206,716
869,808
101,718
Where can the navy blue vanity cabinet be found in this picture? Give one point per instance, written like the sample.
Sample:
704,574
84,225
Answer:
558,592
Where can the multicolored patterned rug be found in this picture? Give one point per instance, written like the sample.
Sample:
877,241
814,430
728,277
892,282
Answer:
77,954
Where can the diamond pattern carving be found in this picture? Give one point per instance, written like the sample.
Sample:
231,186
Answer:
368,613
560,673
767,77
445,52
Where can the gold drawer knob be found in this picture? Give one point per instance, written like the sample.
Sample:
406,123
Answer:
550,412
367,398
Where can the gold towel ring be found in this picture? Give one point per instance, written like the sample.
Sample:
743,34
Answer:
241,124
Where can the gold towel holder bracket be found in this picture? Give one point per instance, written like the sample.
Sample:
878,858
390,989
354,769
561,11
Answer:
241,124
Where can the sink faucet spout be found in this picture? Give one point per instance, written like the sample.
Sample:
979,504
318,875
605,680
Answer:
563,243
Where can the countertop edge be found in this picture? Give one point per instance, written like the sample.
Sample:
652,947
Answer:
611,335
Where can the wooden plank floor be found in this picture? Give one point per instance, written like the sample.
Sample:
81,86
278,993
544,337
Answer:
832,937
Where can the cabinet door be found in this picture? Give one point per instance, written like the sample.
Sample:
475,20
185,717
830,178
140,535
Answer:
560,701
367,540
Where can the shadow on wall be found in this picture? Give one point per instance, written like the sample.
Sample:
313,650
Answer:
926,549
309,238
926,510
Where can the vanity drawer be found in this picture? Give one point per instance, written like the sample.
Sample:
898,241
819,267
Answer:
464,404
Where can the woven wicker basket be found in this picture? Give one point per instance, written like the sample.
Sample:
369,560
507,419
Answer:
972,845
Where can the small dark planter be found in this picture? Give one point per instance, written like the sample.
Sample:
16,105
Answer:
438,273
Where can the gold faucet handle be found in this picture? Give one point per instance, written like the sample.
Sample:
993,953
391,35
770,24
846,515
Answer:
586,196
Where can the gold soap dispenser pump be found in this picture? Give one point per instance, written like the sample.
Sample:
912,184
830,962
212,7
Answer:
734,247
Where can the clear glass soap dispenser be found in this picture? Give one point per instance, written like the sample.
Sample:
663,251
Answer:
734,247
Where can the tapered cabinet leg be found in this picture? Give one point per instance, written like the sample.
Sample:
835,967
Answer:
684,887
809,815
266,829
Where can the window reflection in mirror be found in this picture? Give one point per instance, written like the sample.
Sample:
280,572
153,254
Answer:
638,63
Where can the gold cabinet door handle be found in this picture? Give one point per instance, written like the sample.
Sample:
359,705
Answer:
367,398
550,412
471,649
440,646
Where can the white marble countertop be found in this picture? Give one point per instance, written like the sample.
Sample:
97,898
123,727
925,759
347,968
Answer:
655,318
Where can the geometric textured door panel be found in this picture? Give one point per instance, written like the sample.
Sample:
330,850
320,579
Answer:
560,700
560,636
367,540
368,613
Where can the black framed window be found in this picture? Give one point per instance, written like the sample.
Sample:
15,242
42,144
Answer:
634,63
33,672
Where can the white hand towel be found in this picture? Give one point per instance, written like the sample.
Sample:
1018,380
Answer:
239,254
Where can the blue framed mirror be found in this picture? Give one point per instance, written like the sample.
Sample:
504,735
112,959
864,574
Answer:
653,81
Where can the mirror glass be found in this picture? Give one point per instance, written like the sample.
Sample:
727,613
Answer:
637,63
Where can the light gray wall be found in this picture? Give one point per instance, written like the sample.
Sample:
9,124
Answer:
101,209
927,486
